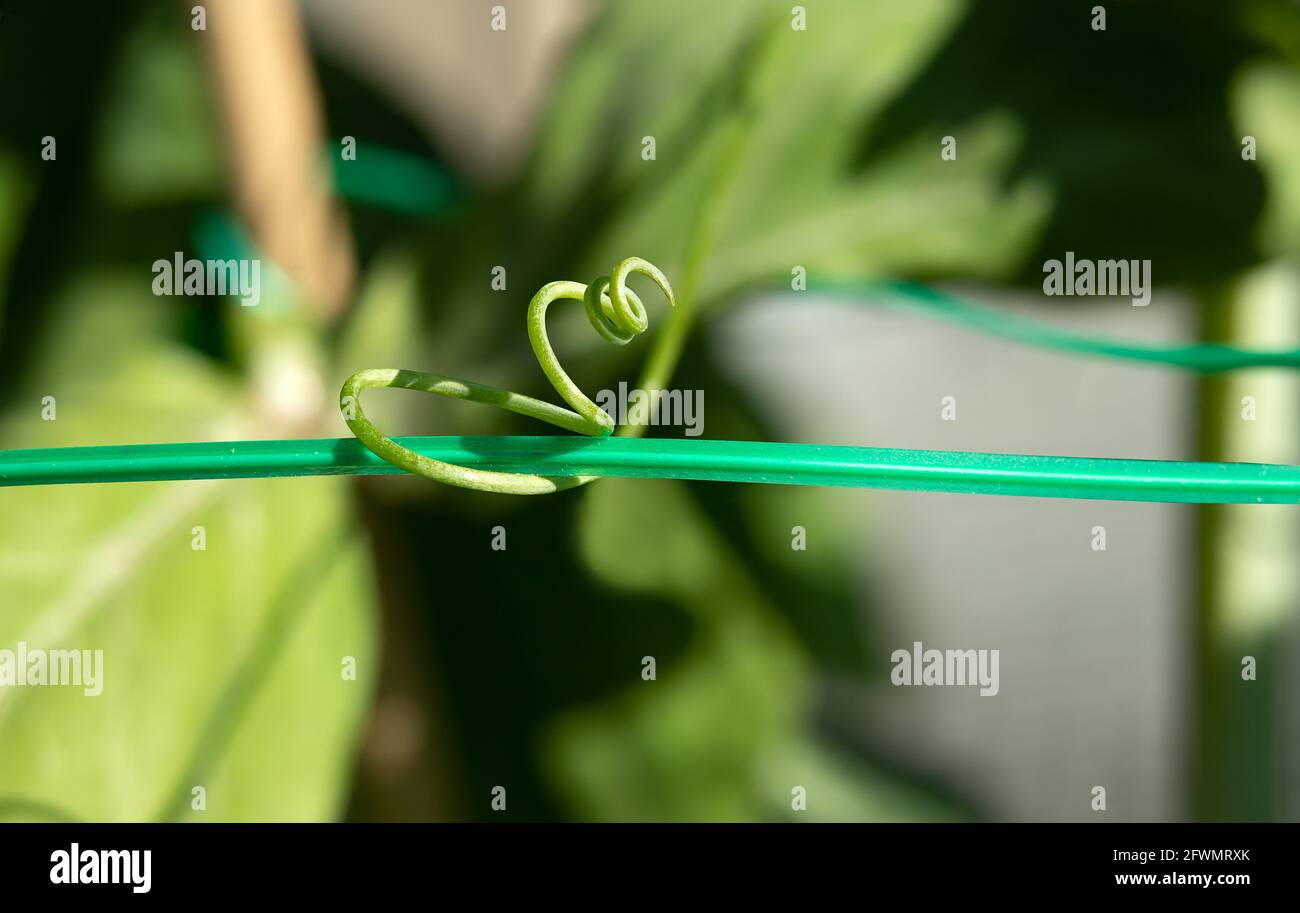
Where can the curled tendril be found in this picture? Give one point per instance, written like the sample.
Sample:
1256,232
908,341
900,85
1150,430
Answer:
615,312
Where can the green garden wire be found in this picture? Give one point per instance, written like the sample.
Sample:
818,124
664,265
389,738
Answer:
1206,358
663,458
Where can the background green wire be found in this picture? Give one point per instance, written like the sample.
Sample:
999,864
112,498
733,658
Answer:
1206,358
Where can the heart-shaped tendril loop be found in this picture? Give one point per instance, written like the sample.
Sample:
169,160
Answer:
615,312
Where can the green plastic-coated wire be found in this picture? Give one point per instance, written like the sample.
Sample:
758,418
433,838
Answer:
718,461
392,179
1206,358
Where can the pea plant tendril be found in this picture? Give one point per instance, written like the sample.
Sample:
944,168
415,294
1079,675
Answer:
615,312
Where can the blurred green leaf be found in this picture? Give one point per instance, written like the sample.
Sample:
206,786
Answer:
222,668
720,733
799,197
683,746
644,69
160,139
386,328
838,787
1267,106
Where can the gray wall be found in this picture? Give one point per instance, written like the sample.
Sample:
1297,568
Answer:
1091,643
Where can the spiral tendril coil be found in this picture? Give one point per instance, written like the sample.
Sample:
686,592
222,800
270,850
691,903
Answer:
614,311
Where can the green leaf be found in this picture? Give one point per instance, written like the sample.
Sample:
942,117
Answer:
1267,105
800,197
643,70
222,667
385,329
719,733
838,787
160,138
683,746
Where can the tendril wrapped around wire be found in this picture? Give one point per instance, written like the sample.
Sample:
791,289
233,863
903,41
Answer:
615,312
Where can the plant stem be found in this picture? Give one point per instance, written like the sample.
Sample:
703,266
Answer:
671,340
737,131
1249,580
